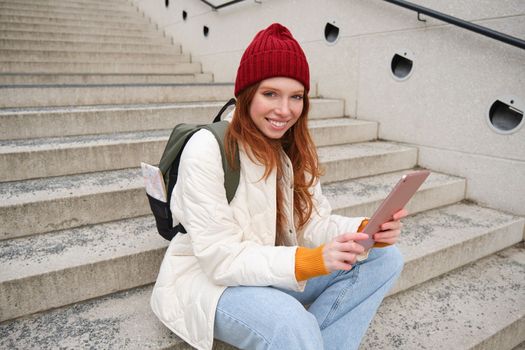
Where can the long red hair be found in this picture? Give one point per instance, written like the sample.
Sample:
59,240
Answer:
297,143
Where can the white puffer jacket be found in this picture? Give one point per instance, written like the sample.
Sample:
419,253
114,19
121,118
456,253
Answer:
229,244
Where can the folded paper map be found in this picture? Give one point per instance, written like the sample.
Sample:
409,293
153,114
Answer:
154,182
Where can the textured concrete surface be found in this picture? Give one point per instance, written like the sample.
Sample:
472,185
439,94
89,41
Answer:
77,21
69,79
481,306
72,15
102,57
20,123
362,196
130,39
47,271
71,201
28,10
433,242
79,154
457,311
67,7
119,321
495,182
54,28
321,108
79,95
342,130
78,3
86,46
520,347
364,159
97,68
437,241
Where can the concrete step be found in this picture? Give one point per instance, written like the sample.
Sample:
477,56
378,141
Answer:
93,68
86,15
91,23
100,38
89,120
76,46
70,7
39,56
362,196
76,29
437,241
479,307
80,154
77,265
86,94
327,132
34,260
75,79
520,347
115,3
112,322
71,201
352,161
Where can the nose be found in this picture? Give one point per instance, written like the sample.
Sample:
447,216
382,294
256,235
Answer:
284,107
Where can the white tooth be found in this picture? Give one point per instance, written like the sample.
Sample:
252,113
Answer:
277,124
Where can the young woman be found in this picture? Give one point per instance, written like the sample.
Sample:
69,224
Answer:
273,269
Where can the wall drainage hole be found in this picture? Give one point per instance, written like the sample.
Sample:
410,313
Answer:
504,117
184,15
331,33
205,31
401,66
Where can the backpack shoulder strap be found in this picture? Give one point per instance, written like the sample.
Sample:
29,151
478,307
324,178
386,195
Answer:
231,173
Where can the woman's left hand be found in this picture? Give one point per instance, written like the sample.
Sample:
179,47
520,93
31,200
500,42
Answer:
391,230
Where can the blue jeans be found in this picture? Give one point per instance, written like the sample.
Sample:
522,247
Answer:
341,307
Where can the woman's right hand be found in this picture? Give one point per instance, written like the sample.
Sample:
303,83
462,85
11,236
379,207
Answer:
342,251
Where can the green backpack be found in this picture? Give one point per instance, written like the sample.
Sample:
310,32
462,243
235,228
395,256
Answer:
169,166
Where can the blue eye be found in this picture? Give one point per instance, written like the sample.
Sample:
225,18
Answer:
298,97
269,93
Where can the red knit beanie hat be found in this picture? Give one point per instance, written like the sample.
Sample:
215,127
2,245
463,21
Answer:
272,53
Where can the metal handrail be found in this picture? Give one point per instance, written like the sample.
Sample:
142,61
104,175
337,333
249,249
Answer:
511,40
215,8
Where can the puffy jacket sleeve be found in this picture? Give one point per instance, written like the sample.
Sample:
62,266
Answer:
200,204
323,225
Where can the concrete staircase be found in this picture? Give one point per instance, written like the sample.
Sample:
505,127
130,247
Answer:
89,88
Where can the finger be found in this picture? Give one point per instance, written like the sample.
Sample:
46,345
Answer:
348,258
344,256
352,247
342,266
400,214
391,225
390,241
388,234
354,236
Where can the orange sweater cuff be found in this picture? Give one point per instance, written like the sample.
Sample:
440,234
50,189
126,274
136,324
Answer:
376,244
309,263
362,226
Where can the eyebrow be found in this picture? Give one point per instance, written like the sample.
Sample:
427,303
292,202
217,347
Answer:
274,88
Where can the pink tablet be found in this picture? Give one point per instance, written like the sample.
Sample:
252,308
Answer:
397,199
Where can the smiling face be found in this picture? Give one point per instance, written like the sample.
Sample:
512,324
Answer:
277,105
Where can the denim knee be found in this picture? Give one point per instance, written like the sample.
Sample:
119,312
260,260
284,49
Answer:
393,259
296,330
